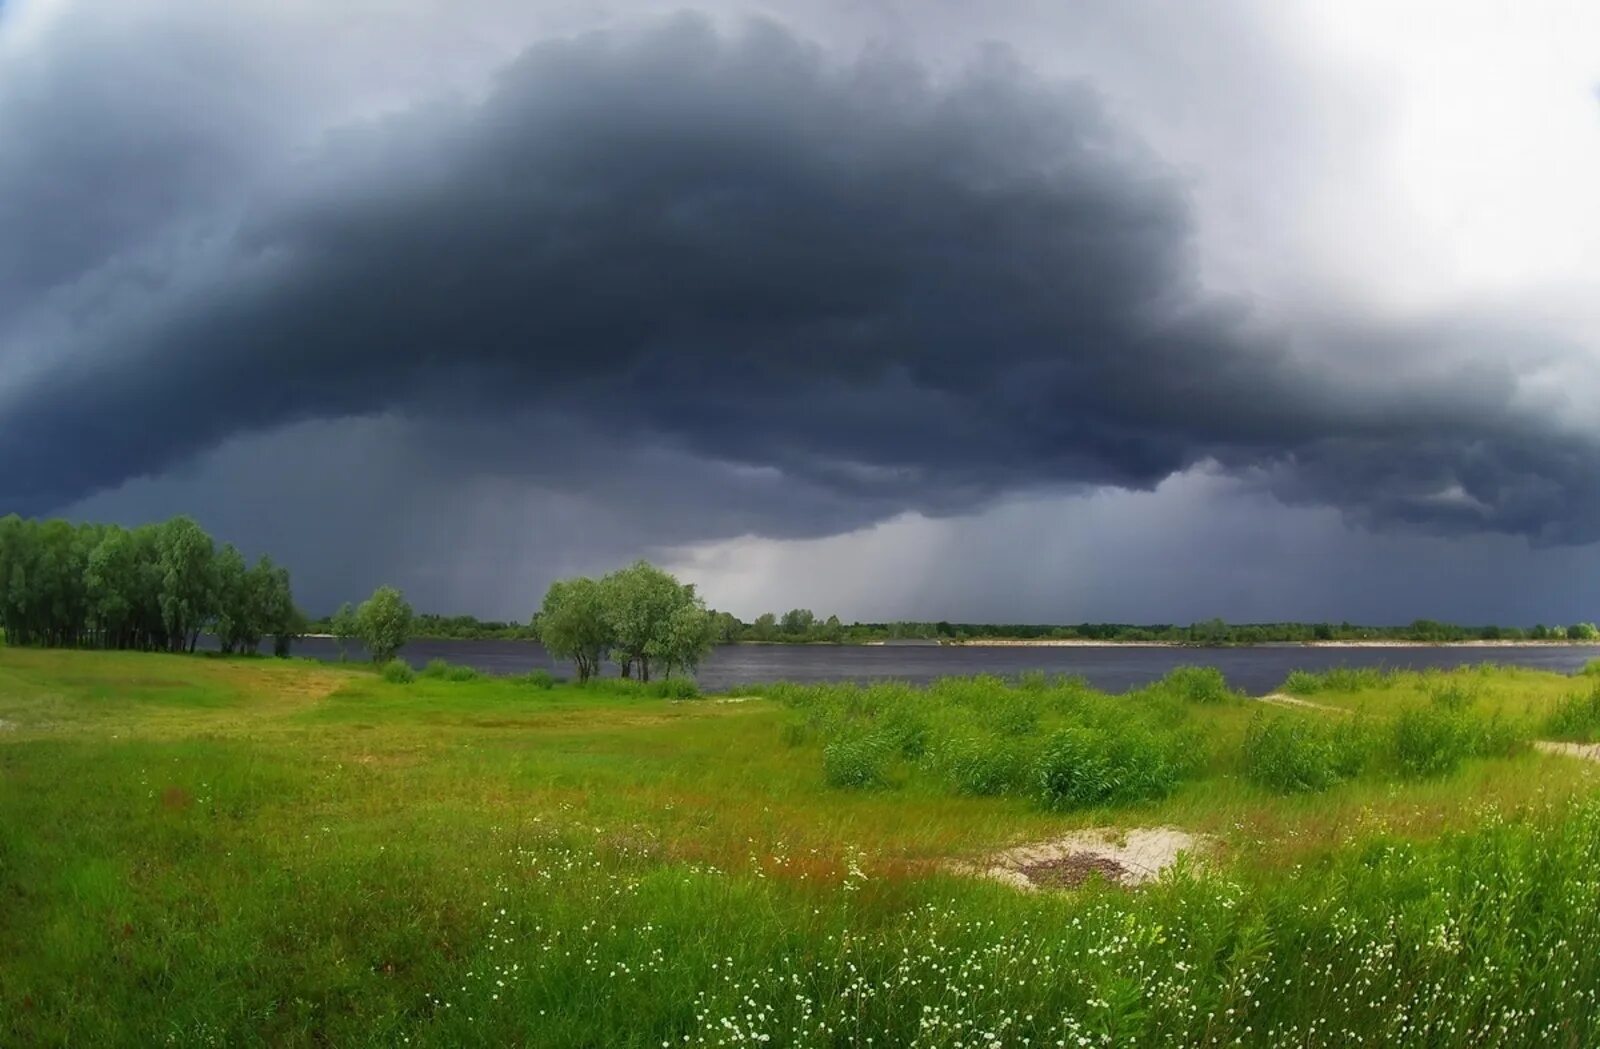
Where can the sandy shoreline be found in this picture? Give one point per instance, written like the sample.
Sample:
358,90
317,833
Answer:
1076,642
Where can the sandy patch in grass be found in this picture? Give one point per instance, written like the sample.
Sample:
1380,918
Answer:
1586,751
1126,857
1287,700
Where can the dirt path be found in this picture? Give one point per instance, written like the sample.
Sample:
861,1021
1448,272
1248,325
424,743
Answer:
1585,751
1284,699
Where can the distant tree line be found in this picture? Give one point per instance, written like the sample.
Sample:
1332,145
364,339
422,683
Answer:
451,628
801,626
157,587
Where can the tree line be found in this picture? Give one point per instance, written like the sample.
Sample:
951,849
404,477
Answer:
801,626
156,587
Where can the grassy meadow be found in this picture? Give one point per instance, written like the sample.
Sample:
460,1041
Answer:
208,851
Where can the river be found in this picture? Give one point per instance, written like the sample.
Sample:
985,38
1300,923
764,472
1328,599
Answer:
1113,668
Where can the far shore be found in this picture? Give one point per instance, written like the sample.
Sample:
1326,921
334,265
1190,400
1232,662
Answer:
1080,642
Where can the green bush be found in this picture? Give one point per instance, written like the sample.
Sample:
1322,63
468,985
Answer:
675,688
1293,755
1429,742
1013,714
440,670
985,766
398,672
1301,683
1084,767
1575,718
540,679
1451,697
856,761
1336,679
1196,685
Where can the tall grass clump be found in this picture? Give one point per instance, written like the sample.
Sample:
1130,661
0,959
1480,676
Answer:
442,670
540,679
1336,679
1289,754
1451,696
675,688
1052,740
398,672
1087,767
856,761
985,766
1575,718
1196,685
1427,743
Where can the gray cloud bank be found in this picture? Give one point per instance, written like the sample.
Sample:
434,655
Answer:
847,289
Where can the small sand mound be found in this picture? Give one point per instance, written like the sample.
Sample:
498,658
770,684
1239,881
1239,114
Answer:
1126,857
1586,751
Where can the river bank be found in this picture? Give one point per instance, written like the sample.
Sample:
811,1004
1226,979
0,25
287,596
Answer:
1078,642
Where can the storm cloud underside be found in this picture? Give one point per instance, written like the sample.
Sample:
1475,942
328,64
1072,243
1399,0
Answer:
759,286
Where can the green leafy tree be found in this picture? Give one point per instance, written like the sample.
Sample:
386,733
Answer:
765,628
1583,632
188,588
797,622
383,623
654,618
726,628
573,624
344,629
232,600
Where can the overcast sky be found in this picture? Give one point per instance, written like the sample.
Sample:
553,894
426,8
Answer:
1004,311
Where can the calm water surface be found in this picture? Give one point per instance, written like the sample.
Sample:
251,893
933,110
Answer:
1113,669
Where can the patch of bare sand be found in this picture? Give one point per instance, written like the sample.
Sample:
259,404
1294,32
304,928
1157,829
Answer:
1586,751
1284,699
1125,857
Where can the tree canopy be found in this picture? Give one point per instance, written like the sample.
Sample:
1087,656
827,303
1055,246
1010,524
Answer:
640,615
158,587
572,624
383,623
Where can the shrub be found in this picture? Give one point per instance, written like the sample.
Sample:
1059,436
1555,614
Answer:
1592,668
906,730
675,688
1301,683
1292,755
1430,741
1582,632
1013,714
440,670
1576,718
1452,697
540,679
856,761
398,672
1197,684
985,766
1083,767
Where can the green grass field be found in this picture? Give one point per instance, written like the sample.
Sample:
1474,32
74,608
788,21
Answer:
201,851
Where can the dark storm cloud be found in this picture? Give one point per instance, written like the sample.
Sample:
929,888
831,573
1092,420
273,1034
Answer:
886,292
